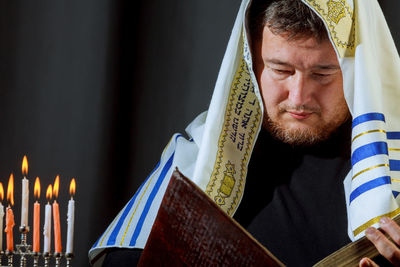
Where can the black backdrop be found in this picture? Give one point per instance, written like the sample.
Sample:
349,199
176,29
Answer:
94,89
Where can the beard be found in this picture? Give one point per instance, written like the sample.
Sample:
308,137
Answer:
305,136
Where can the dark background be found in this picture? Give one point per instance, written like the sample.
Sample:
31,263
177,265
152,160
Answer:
94,90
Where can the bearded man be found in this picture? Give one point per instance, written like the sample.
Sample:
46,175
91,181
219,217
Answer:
310,82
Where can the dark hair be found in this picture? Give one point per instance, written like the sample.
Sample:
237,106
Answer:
286,17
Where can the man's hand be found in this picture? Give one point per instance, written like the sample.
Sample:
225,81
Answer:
388,249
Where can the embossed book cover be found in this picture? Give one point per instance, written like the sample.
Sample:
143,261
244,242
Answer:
191,230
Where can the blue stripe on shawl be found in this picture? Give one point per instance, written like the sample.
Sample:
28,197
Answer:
368,117
114,234
394,165
369,150
97,242
152,195
368,186
395,193
393,135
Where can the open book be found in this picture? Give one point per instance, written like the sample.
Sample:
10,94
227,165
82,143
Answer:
191,230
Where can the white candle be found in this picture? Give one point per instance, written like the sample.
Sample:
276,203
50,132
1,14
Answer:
70,220
25,202
1,226
47,229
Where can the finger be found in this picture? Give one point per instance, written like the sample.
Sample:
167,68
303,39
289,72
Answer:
385,247
366,262
392,228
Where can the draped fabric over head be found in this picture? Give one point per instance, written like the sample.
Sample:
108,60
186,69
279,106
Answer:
221,140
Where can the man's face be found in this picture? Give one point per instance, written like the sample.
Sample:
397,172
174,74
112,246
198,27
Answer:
302,88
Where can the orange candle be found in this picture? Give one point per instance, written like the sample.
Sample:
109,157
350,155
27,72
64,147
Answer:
57,230
36,225
56,218
9,229
10,223
36,218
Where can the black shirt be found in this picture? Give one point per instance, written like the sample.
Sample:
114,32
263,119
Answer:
294,201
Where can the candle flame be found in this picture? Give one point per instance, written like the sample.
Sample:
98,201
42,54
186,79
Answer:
25,166
10,190
36,190
72,187
49,193
1,191
56,186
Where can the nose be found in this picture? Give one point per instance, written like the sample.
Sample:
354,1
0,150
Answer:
298,92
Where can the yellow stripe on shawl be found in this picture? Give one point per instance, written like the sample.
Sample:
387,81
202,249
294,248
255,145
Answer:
375,220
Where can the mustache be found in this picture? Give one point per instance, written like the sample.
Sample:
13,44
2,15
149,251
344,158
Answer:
302,108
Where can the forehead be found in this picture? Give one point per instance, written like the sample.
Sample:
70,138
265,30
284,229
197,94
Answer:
304,52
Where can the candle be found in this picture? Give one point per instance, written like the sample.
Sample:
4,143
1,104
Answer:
36,217
56,218
10,215
9,228
71,218
25,194
57,230
1,216
47,221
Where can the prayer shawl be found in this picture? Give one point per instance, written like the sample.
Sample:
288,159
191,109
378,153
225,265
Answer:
221,140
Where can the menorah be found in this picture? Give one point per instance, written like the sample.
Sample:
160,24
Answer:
24,252
31,253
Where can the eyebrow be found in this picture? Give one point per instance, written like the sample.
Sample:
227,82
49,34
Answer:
278,62
320,66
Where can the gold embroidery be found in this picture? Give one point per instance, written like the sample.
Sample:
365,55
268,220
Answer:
367,132
375,220
394,149
241,122
339,19
227,184
336,11
370,168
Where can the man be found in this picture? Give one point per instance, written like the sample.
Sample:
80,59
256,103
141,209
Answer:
294,93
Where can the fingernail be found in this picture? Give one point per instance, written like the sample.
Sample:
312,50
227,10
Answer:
384,220
365,262
370,231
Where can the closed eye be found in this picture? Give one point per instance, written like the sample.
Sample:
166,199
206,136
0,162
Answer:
279,71
322,74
